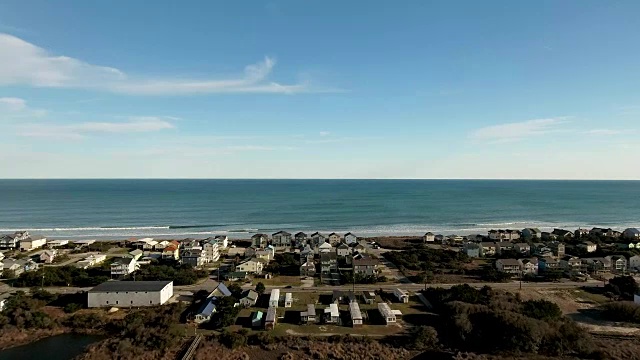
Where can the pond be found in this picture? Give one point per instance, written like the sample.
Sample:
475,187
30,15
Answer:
59,347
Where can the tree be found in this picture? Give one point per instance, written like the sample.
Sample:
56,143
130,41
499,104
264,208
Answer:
260,288
624,286
236,290
541,310
424,338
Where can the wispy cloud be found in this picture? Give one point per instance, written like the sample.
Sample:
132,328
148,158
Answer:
324,133
608,132
22,63
81,130
13,107
519,130
190,151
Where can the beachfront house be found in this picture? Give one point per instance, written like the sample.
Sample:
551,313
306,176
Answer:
579,233
300,239
12,241
123,266
317,239
334,238
332,314
48,256
260,240
274,298
130,293
32,242
508,235
429,237
386,312
328,263
281,238
223,241
251,266
602,232
356,315
211,249
136,254
308,269
631,234
309,316
548,264
618,263
401,295
531,233
57,243
588,246
509,266
350,238
359,249
91,260
248,298
562,234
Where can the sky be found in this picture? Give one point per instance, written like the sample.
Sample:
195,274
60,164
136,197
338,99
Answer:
320,89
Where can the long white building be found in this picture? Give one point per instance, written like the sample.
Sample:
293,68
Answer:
274,299
130,294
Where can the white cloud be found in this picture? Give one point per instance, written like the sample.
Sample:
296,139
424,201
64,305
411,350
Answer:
519,130
607,132
22,63
79,131
12,107
324,133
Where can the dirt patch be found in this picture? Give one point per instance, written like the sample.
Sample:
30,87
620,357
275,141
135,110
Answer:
396,242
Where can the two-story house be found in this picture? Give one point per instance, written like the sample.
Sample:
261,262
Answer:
260,240
350,238
251,266
509,266
529,266
618,263
317,239
195,257
123,266
343,250
531,233
300,239
631,234
588,246
571,264
281,238
366,265
548,264
522,248
211,249
429,237
334,238
171,252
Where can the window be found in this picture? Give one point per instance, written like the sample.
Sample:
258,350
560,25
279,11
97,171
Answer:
107,302
150,301
116,302
132,301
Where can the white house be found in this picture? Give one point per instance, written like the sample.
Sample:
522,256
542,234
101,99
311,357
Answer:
91,260
429,237
386,312
32,243
402,295
57,243
124,266
288,300
350,238
325,248
149,245
332,314
308,316
251,266
48,256
223,241
249,298
130,293
274,298
12,241
205,311
343,250
356,315
211,250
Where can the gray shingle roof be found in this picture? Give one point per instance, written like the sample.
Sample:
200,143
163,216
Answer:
112,286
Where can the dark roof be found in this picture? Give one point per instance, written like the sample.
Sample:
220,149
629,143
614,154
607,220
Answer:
333,234
111,286
259,236
301,234
282,233
347,234
222,289
208,307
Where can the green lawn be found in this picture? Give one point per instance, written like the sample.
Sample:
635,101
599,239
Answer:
280,281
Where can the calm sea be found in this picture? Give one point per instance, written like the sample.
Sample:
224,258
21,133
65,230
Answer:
107,209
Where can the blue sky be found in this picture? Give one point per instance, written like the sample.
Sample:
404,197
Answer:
331,89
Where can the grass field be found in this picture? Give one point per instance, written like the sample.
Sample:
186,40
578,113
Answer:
280,281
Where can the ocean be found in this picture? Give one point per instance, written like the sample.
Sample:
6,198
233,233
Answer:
118,209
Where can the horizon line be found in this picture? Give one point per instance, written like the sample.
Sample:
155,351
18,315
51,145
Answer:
312,179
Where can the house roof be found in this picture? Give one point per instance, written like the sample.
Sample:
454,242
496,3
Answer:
250,294
510,262
429,233
259,236
328,256
208,307
316,234
300,234
333,234
123,261
170,248
343,246
112,286
222,289
633,231
349,234
354,309
282,233
365,261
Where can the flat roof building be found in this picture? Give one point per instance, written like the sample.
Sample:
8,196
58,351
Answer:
130,293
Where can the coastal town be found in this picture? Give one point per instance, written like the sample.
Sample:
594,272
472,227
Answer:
306,284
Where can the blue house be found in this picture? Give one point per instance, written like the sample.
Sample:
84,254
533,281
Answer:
220,291
205,311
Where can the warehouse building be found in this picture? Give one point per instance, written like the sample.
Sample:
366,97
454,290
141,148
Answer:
130,294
